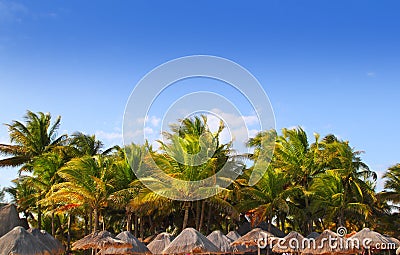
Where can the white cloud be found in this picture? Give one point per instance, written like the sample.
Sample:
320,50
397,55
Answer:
153,120
371,74
109,138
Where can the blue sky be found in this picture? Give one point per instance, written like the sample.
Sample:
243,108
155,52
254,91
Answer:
329,66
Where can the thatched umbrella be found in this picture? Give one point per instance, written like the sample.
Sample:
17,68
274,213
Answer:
20,242
371,238
53,244
328,242
99,240
313,235
190,241
148,239
220,240
136,247
9,218
253,239
292,243
159,243
233,235
398,251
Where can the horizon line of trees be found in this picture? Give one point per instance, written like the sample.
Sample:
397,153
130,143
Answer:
70,185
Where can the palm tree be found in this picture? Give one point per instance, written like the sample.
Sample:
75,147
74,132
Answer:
89,181
392,184
338,156
32,139
44,177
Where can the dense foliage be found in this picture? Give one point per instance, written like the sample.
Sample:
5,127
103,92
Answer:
70,186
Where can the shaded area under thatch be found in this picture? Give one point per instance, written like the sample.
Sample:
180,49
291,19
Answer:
20,242
246,227
220,240
313,235
159,243
292,243
99,240
190,241
9,219
136,246
233,235
53,244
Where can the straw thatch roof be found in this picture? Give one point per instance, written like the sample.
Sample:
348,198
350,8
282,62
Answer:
246,227
375,239
159,243
292,243
20,242
313,235
394,240
99,240
9,218
190,241
148,239
253,238
220,240
329,242
233,235
398,251
137,247
53,244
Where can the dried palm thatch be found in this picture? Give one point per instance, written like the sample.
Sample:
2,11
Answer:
233,235
148,239
159,243
393,240
190,241
136,247
53,244
292,243
220,240
375,240
99,240
9,218
398,251
328,243
20,242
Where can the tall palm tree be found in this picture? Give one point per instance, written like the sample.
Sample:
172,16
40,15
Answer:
392,184
30,139
89,181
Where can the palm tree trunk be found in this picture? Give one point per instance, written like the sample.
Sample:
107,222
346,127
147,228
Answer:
128,221
197,214
186,216
69,234
136,225
203,206
39,211
53,230
90,221
96,219
208,219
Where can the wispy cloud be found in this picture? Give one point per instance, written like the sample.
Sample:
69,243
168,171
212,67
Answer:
371,74
11,11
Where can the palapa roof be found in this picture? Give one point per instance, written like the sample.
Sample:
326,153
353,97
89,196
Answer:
220,240
9,218
190,241
398,251
253,237
137,247
233,235
328,242
375,239
20,242
159,243
53,244
292,243
99,240
394,240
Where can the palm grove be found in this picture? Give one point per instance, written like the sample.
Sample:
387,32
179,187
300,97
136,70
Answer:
70,185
